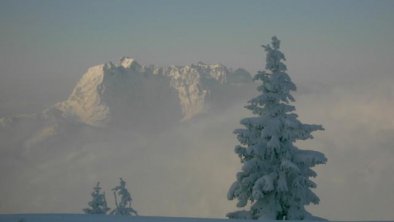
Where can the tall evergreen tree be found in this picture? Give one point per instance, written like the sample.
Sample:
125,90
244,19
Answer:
275,174
98,204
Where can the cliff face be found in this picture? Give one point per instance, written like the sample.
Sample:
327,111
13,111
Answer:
130,96
107,92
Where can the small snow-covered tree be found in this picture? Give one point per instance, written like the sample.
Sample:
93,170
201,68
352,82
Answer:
275,176
98,204
123,205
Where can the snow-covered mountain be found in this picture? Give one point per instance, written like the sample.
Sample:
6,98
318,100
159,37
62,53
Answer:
130,95
107,91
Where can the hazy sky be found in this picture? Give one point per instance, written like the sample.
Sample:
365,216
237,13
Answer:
340,55
45,46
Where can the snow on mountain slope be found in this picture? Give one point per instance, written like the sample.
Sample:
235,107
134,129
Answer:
107,90
129,95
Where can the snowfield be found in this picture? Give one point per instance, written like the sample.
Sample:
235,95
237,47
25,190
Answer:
95,218
105,218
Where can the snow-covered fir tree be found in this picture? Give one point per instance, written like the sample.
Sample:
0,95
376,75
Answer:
122,200
275,176
98,204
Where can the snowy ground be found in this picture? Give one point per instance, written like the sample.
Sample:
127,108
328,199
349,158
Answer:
94,218
103,218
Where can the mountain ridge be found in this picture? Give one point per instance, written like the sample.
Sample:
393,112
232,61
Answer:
131,95
89,101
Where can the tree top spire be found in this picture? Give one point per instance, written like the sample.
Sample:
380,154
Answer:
274,56
275,42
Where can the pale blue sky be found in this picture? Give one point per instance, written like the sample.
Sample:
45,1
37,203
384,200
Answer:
61,33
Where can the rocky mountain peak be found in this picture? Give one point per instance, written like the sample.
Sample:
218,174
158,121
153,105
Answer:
108,90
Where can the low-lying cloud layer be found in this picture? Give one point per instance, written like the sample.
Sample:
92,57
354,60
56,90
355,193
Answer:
186,170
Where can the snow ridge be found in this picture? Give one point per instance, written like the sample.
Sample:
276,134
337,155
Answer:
92,98
128,96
